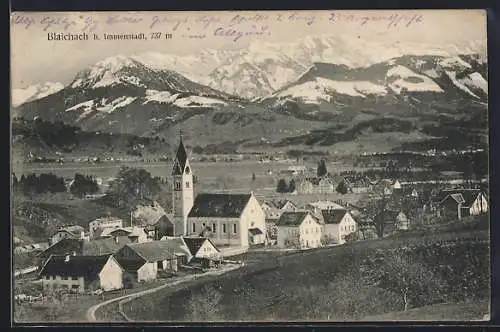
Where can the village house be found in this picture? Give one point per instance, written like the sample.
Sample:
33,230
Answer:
144,261
105,222
202,250
81,273
136,234
316,207
316,185
357,185
298,230
68,232
337,224
459,203
394,220
233,219
270,210
81,247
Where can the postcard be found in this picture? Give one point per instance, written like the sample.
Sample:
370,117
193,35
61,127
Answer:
250,166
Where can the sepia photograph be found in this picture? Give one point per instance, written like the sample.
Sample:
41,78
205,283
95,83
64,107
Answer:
250,166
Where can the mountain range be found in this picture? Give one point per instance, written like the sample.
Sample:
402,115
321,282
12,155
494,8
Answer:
273,94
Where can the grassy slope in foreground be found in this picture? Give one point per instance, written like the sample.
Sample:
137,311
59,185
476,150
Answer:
322,285
464,311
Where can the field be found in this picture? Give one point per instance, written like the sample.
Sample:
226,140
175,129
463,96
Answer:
294,287
235,177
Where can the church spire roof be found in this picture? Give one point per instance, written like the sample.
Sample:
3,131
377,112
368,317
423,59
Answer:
180,158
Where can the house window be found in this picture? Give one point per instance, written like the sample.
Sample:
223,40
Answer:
234,228
194,227
74,278
47,278
75,286
214,229
223,228
187,184
64,278
177,186
307,231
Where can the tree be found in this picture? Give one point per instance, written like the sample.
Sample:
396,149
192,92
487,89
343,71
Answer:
133,185
397,272
204,305
282,186
342,188
291,186
322,171
83,185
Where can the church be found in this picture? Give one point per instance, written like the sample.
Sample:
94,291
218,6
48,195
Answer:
227,219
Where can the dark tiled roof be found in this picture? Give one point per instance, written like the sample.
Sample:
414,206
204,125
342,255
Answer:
77,266
194,243
104,246
333,216
255,231
180,159
281,204
219,205
130,264
292,218
160,250
63,247
468,196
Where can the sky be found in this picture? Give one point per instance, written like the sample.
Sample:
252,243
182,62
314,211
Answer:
35,59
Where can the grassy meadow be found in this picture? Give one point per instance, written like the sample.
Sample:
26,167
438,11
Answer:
328,284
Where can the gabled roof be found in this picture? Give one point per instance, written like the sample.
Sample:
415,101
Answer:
77,266
194,243
325,205
219,205
333,216
180,159
73,231
63,247
104,246
281,204
160,250
464,196
292,218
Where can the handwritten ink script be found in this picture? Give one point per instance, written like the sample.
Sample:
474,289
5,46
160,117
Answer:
234,26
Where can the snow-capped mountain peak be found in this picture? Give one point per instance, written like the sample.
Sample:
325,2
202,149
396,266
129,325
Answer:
34,92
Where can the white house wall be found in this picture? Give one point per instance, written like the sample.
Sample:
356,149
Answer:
147,272
111,275
207,250
56,282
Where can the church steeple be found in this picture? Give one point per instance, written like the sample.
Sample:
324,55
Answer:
182,189
180,158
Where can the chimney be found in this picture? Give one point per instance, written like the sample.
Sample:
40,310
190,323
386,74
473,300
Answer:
66,259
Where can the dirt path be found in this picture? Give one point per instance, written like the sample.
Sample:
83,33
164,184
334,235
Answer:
91,312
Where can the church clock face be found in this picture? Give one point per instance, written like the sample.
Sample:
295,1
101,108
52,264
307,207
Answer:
187,170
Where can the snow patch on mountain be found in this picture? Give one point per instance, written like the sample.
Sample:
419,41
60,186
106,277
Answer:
34,92
401,77
160,97
462,84
116,104
454,63
322,89
197,101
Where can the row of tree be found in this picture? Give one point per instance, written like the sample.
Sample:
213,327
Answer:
284,187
